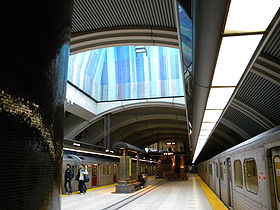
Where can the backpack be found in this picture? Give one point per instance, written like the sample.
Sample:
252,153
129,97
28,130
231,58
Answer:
86,179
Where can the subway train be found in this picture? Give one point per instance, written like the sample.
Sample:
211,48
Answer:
103,170
247,176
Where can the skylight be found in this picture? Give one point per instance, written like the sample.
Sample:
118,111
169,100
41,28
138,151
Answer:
127,72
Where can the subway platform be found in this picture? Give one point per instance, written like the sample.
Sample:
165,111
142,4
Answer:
192,194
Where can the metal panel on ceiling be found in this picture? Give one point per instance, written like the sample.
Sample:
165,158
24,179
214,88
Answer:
91,15
262,95
272,48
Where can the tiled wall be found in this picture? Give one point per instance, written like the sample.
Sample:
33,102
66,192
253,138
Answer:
32,92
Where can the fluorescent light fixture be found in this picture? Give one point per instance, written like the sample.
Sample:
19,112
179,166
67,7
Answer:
235,54
250,15
76,144
204,132
102,154
206,126
219,97
202,138
88,152
212,115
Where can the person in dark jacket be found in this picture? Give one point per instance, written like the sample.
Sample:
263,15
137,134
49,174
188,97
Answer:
68,176
141,179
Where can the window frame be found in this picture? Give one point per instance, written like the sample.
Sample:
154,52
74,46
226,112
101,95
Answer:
238,160
275,177
245,177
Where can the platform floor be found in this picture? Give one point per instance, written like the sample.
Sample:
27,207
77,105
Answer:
158,194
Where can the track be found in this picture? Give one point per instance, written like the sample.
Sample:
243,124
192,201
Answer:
132,198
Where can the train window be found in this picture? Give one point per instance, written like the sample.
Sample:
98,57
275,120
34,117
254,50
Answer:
276,162
251,177
221,171
105,169
109,170
238,173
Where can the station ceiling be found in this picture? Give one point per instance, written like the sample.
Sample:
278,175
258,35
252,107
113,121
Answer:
254,106
139,126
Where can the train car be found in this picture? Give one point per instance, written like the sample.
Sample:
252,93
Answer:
247,176
102,170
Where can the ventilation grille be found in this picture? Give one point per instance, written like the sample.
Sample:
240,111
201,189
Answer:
91,15
262,95
243,122
235,136
272,48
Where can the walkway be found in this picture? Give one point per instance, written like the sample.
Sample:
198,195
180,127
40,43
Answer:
169,195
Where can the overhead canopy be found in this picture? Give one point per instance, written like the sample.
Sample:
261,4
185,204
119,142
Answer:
124,145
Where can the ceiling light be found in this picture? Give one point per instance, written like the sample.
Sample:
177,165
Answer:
205,126
235,54
250,15
218,97
212,115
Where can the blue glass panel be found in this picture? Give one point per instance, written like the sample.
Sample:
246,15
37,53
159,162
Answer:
125,72
186,35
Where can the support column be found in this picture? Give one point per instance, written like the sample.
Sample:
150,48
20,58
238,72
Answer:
107,131
35,44
125,172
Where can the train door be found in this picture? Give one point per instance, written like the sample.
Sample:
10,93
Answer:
229,182
94,175
276,173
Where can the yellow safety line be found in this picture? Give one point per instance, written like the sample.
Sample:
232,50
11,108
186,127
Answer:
214,201
91,189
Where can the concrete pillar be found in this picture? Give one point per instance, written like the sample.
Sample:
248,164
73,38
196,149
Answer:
125,174
35,48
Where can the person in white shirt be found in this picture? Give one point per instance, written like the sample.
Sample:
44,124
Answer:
81,178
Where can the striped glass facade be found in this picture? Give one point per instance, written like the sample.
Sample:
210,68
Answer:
127,72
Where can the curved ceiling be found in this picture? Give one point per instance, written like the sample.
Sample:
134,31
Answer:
99,23
140,126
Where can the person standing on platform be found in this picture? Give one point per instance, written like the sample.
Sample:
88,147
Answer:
142,180
68,176
81,178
